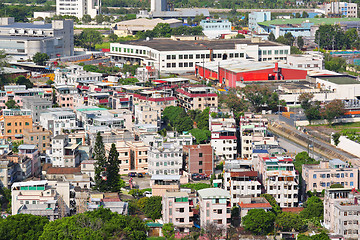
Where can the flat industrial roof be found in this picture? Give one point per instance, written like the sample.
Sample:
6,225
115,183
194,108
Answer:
316,21
174,45
342,80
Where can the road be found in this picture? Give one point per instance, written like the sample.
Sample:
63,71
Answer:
295,148
326,147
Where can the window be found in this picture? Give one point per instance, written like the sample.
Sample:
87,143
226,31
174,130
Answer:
168,57
314,176
181,64
200,154
173,65
32,138
191,64
9,131
200,163
286,51
180,56
27,123
200,170
351,183
173,56
351,175
168,65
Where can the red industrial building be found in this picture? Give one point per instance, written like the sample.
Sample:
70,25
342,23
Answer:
231,73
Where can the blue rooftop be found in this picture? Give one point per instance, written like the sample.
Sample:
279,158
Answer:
260,151
27,25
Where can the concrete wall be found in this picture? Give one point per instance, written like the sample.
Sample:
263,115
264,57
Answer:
349,146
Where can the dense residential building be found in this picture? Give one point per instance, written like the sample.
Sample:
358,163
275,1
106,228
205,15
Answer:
252,128
64,154
133,156
57,120
36,105
318,177
280,179
240,184
215,207
72,75
214,28
21,41
31,152
42,198
180,56
194,97
166,159
38,136
198,159
78,8
160,184
341,9
341,212
223,137
177,209
14,122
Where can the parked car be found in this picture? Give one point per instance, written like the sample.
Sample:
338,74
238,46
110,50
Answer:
132,174
140,175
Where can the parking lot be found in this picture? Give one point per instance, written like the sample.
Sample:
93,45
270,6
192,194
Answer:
141,182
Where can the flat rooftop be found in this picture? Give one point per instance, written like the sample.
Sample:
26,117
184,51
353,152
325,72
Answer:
341,80
174,45
315,21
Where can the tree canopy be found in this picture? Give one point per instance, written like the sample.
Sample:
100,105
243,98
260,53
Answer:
40,58
98,224
88,39
314,208
153,207
258,221
288,222
22,226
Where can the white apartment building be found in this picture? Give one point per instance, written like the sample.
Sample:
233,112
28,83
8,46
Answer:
341,212
215,207
251,127
78,8
70,76
180,56
147,114
177,209
21,41
64,154
341,9
56,120
280,180
165,160
40,198
223,137
311,61
241,184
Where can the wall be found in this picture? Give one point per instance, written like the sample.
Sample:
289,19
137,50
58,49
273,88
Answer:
349,146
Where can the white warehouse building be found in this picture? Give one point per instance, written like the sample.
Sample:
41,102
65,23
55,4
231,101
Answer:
180,56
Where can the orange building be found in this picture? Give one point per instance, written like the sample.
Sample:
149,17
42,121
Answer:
15,121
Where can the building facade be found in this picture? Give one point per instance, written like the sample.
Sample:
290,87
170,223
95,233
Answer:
78,8
21,41
198,159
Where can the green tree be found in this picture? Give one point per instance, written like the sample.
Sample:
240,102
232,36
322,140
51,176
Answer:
336,185
297,15
142,203
202,119
153,207
336,137
290,39
168,230
275,206
336,64
99,18
314,208
113,37
22,226
113,180
295,50
21,80
258,221
257,95
99,224
40,58
304,14
136,193
300,42
100,164
301,159
162,30
271,37
288,222
86,18
49,82
305,100
333,109
11,104
89,38
201,136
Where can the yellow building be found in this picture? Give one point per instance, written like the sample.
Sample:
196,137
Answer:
14,122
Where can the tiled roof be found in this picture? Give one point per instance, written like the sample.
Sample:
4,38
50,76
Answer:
244,173
63,170
293,209
196,95
255,205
